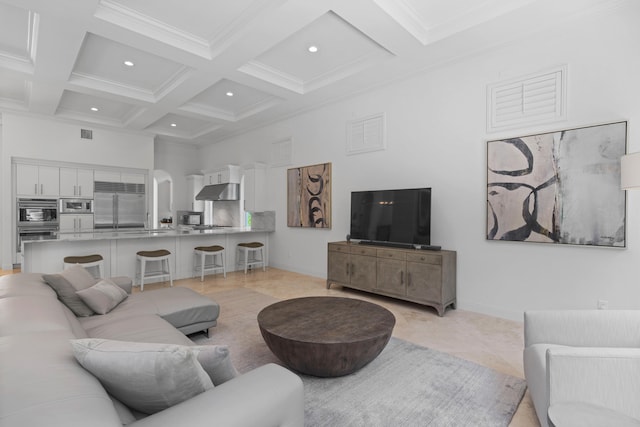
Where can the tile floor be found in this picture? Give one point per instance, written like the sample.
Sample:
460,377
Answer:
489,341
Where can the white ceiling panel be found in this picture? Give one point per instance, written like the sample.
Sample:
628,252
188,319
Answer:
341,50
74,104
228,100
61,58
102,63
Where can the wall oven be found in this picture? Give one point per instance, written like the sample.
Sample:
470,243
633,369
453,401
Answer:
37,219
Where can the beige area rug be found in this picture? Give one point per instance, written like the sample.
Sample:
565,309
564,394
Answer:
238,328
406,385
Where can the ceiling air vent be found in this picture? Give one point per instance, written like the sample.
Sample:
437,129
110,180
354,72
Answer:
366,134
86,134
533,99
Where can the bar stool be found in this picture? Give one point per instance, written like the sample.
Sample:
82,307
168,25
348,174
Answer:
161,255
202,252
250,254
87,261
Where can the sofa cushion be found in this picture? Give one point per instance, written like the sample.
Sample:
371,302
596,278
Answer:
216,362
146,377
31,314
67,294
182,307
147,328
102,297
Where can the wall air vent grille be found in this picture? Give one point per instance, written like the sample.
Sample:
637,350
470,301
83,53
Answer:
366,134
86,134
532,99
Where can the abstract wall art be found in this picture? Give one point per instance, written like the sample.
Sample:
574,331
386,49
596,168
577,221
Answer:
309,196
559,187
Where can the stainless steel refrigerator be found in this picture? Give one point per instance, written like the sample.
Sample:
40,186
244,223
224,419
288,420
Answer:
119,205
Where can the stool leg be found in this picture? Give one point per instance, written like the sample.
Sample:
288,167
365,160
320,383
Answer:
264,267
169,269
222,261
203,260
246,260
100,276
195,264
142,268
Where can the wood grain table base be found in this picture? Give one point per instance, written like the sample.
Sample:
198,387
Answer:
326,336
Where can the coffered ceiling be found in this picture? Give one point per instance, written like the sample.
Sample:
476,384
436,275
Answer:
203,70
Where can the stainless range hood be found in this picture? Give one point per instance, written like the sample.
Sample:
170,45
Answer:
219,192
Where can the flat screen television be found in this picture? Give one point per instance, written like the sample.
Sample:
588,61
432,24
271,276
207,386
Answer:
401,217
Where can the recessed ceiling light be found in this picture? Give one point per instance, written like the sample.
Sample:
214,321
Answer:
94,108
128,63
173,125
229,93
313,49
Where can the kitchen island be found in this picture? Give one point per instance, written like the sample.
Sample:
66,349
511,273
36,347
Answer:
118,248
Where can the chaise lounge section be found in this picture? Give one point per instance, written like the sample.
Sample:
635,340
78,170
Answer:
43,384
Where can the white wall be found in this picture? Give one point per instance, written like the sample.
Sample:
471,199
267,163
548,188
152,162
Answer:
436,137
36,138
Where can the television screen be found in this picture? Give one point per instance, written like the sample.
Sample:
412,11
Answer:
396,216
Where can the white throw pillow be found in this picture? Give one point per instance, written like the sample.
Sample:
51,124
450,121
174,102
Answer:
146,377
79,277
102,297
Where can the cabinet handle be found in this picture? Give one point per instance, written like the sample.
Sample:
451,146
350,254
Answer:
353,269
348,273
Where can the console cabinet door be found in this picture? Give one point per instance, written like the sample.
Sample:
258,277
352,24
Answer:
363,271
338,268
424,282
392,276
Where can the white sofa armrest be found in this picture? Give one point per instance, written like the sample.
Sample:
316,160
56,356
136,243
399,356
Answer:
266,396
605,377
583,328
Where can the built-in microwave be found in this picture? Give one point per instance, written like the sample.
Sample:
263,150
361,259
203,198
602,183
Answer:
76,206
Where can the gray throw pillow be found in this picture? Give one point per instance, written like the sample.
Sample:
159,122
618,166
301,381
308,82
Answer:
146,377
79,277
67,294
216,362
102,297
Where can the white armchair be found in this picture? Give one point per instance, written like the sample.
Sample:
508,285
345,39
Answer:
583,366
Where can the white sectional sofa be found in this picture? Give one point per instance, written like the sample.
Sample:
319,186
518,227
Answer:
584,365
43,384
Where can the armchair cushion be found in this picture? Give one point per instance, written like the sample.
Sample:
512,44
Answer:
605,377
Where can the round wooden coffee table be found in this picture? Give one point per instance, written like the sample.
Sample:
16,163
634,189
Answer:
326,336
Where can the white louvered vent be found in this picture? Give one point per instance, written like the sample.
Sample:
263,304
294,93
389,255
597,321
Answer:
282,152
366,134
537,98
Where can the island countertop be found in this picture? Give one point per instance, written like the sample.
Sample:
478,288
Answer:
118,248
149,233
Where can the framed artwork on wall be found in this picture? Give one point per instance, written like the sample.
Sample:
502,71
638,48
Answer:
309,196
558,187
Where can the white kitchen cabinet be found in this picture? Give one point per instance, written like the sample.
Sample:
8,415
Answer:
111,176
255,197
106,176
76,223
132,178
194,185
34,180
230,174
76,182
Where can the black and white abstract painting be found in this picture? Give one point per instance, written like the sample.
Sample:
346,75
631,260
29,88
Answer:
559,187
